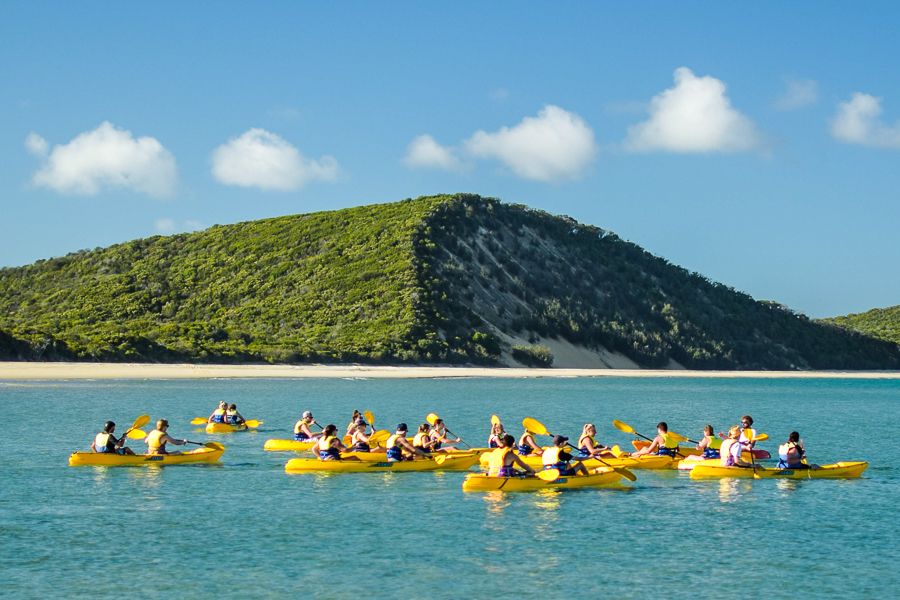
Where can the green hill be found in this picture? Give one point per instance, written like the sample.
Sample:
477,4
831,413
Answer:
883,323
449,279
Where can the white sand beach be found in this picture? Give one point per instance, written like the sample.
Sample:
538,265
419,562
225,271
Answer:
54,371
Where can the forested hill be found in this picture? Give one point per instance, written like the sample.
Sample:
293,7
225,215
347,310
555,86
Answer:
441,279
883,323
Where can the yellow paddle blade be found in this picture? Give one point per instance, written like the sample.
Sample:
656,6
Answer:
214,445
534,426
440,458
137,434
495,419
198,421
431,418
549,474
346,440
625,473
760,437
140,422
625,427
379,436
253,423
678,437
370,418
616,451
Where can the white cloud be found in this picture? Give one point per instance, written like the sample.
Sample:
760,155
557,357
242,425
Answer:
106,157
857,122
425,152
556,144
799,93
693,116
259,158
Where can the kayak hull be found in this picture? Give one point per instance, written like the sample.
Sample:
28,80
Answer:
276,445
479,482
224,428
94,459
461,462
840,470
758,453
649,461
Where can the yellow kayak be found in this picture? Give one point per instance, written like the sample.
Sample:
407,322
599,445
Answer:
224,427
276,445
480,482
840,470
449,462
94,459
648,461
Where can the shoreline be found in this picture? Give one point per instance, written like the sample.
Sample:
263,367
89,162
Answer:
62,371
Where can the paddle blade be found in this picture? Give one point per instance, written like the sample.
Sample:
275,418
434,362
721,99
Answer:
440,458
140,421
370,418
760,437
379,436
495,419
431,418
549,474
678,437
626,474
137,434
198,421
214,445
534,426
624,427
253,423
616,451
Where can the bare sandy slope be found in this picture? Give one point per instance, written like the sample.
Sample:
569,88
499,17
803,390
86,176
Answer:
60,370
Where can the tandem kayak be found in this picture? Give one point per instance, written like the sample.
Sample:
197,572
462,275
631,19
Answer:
448,462
479,482
647,461
224,427
276,445
758,453
94,459
840,470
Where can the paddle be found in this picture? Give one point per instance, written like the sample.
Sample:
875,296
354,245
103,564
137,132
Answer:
253,423
370,418
136,434
537,427
432,417
199,421
549,474
213,445
626,428
495,420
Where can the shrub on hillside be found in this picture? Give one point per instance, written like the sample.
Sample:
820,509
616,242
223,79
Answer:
535,355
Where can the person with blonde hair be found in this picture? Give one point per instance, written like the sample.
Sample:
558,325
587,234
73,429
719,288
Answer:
588,446
730,452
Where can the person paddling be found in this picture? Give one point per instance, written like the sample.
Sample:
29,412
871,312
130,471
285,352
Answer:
359,439
159,437
302,432
439,437
527,445
351,426
664,444
587,445
232,416
328,446
556,457
503,460
730,452
708,446
218,415
423,440
106,443
791,454
399,448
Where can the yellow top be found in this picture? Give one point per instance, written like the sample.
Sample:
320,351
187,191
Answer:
497,459
421,440
550,456
153,441
393,440
324,443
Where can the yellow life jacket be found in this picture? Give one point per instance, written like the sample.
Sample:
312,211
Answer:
101,441
587,437
714,443
230,413
324,443
219,412
299,424
421,440
393,440
497,459
669,441
154,445
551,456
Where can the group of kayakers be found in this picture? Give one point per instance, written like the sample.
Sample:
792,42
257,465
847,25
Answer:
156,440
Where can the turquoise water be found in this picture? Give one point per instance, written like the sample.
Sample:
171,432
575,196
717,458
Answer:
247,529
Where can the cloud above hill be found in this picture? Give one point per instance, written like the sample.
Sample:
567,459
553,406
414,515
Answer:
858,121
104,158
264,160
425,152
693,116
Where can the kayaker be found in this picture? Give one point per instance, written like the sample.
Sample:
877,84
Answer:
106,443
359,439
730,452
556,457
791,454
232,416
302,432
351,426
527,445
422,440
663,444
497,433
439,437
399,448
747,432
587,445
159,437
218,415
328,446
708,446
503,460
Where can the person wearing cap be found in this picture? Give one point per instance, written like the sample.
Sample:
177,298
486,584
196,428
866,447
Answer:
439,437
158,438
664,444
503,460
556,457
359,439
218,415
399,448
105,442
527,445
302,432
232,416
328,446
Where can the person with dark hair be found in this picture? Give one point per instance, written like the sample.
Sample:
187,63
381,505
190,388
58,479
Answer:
747,432
232,416
439,437
423,440
663,444
359,439
328,446
158,438
503,460
105,442
708,446
351,426
556,457
792,454
399,448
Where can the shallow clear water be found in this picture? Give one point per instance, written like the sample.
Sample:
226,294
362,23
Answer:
247,529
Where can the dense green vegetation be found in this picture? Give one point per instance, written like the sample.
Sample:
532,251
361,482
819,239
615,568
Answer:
435,279
883,323
533,355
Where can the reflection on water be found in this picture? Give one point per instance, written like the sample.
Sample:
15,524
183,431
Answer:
786,487
730,489
148,477
495,502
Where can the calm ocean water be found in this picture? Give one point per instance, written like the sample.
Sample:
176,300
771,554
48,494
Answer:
247,529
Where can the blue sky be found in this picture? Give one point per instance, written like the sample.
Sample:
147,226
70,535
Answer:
757,144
